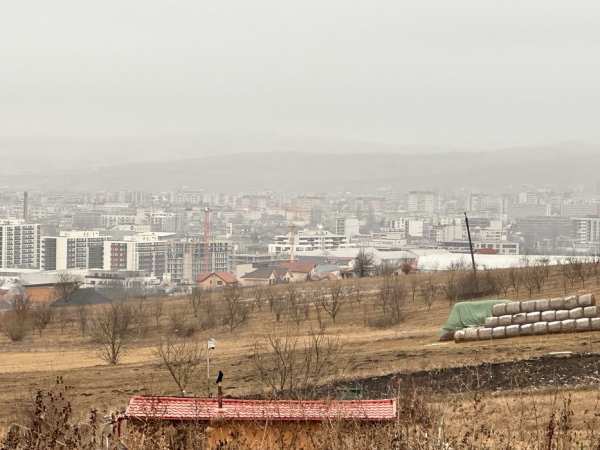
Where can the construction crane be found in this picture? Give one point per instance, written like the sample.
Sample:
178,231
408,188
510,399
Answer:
207,239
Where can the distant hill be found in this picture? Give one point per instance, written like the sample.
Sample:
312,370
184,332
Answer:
328,171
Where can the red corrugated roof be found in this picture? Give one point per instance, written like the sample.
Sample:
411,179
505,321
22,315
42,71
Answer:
188,408
298,266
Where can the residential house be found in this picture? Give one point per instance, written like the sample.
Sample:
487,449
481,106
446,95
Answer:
266,276
213,280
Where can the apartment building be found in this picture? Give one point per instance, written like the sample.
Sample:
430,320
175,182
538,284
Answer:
146,252
306,241
586,230
424,202
186,259
347,226
19,245
73,250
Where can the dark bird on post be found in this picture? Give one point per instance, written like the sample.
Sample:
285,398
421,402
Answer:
220,377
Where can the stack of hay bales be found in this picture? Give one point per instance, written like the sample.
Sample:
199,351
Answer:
536,317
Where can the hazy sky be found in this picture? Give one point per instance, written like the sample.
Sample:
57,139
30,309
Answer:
451,73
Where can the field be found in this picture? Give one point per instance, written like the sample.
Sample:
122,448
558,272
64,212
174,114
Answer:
496,382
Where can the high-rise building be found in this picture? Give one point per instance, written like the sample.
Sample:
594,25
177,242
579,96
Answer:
73,250
347,226
425,202
19,245
186,259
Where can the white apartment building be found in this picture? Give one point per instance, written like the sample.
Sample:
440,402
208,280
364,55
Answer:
73,250
347,226
586,230
19,245
426,202
147,252
306,241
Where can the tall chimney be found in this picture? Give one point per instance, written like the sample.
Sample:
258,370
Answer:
25,207
220,396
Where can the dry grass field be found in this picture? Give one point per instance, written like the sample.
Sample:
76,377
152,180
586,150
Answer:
368,350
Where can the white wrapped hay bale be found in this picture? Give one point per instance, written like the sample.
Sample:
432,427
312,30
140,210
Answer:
582,324
571,302
576,313
499,309
562,314
554,326
459,336
484,333
595,323
528,306
491,322
557,303
590,311
567,325
542,305
526,329
540,328
513,308
586,300
519,318
533,317
471,334
505,320
512,330
548,316
498,332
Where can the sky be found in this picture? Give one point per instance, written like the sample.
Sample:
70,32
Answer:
451,74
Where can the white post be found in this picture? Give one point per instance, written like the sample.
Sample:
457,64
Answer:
208,367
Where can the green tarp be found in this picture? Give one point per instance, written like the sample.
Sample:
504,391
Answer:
469,314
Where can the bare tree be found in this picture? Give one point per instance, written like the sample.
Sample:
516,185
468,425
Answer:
332,299
236,310
413,283
16,323
392,296
364,264
195,298
289,366
66,285
502,280
41,317
258,293
183,360
429,289
83,318
516,279
110,330
157,311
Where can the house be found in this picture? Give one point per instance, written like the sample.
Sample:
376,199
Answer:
254,424
299,270
266,276
212,280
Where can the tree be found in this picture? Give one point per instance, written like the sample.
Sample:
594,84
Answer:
183,360
430,290
195,299
294,305
516,278
331,300
66,285
157,311
289,366
16,323
413,283
82,316
41,317
392,296
110,330
364,264
236,310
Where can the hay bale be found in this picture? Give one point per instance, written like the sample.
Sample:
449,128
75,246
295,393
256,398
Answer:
499,309
459,335
554,326
567,325
595,323
576,313
526,329
562,314
519,318
505,320
540,328
513,308
528,306
590,311
557,303
571,302
491,322
582,324
484,333
471,334
512,330
586,300
548,316
542,305
498,332
533,317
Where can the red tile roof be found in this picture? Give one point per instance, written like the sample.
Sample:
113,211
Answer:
227,277
188,408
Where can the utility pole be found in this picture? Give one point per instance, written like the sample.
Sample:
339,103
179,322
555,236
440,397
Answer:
471,246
